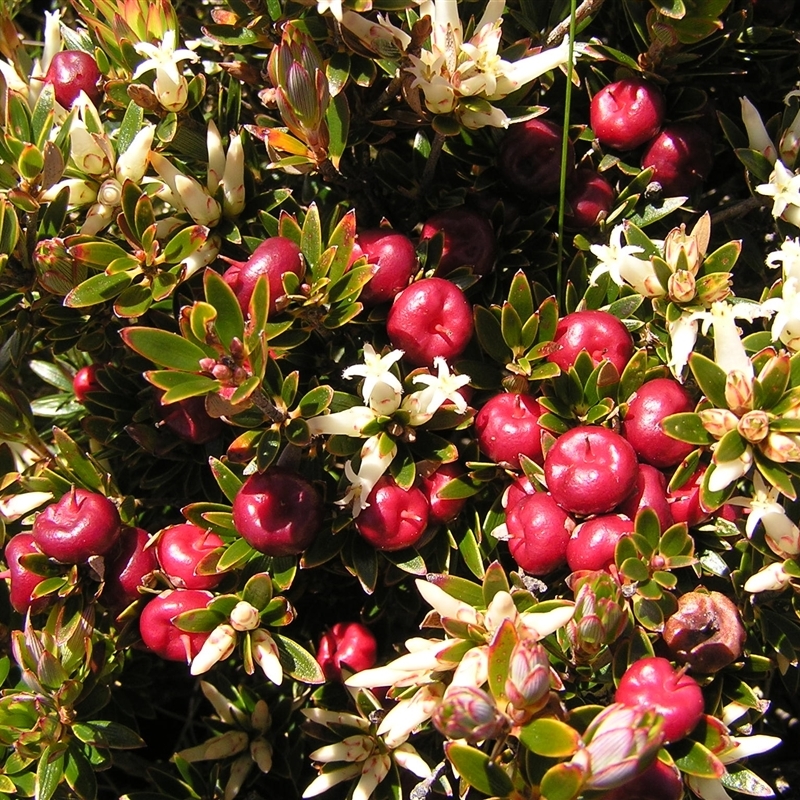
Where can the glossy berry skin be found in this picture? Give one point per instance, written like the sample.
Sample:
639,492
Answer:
684,502
650,492
180,548
681,156
430,318
530,157
395,517
507,426
517,491
601,334
659,781
277,512
592,544
85,381
23,581
539,532
160,635
442,510
589,199
590,470
627,113
189,420
128,567
468,240
652,682
73,71
80,525
651,403
394,261
274,258
346,644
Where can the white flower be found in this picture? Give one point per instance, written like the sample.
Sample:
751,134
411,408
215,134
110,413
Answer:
132,163
757,136
346,423
169,85
726,472
784,189
410,713
788,257
334,6
382,37
682,335
441,388
782,535
217,647
376,455
786,324
381,389
265,654
244,616
622,265
772,578
184,193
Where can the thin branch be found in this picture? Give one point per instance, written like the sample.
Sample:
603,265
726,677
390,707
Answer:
585,9
737,210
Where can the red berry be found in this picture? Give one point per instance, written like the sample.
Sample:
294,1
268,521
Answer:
128,566
517,491
180,549
80,525
653,683
681,156
189,420
684,502
277,512
652,402
507,426
589,199
395,517
530,157
346,644
650,492
627,113
601,334
23,581
539,532
73,71
659,781
85,381
394,260
592,544
590,470
442,510
430,318
468,240
159,633
273,258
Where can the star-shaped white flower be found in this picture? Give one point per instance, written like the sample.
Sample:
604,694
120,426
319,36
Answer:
440,389
376,455
164,57
788,257
334,6
623,266
786,324
381,389
784,189
782,535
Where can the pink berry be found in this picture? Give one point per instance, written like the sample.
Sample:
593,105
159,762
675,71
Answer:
593,543
627,113
507,426
394,260
128,567
395,517
73,71
273,258
468,240
442,510
23,581
601,334
650,492
652,402
277,512
589,199
590,470
539,532
681,156
346,644
80,525
189,420
85,381
430,318
180,549
653,683
530,157
158,631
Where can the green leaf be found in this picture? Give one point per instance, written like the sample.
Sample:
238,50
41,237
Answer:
655,211
478,770
180,385
494,581
676,542
97,289
710,378
460,588
104,733
687,427
500,649
562,782
297,661
258,591
730,447
695,759
229,323
511,326
133,301
315,402
198,620
49,773
228,481
490,335
184,243
235,556
742,780
338,118
130,126
635,570
76,462
520,296
550,737
311,239
165,349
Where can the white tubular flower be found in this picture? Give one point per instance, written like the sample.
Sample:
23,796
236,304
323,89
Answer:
440,389
98,217
622,265
352,748
225,709
473,669
514,74
407,757
374,462
233,178
347,423
757,136
326,780
261,753
412,669
729,352
543,623
265,654
683,335
375,769
169,86
217,647
216,157
91,152
784,189
786,324
772,578
202,257
204,210
379,380
132,164
244,617
782,535
444,604
334,6
726,472
788,257
223,746
409,714
239,771
81,191
381,37
16,506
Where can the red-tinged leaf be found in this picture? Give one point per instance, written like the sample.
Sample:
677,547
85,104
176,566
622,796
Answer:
500,649
97,289
229,323
695,759
165,349
562,782
710,378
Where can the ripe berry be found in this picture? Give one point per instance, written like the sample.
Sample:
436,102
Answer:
128,566
653,683
395,517
627,113
601,334
659,781
180,549
80,525
274,258
23,581
394,260
650,492
507,426
517,491
430,318
652,402
468,240
73,71
592,544
539,532
189,420
530,157
348,644
442,510
684,502
589,199
681,156
277,512
85,381
158,631
590,470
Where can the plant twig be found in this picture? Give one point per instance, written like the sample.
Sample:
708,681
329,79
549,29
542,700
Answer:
430,164
737,210
585,9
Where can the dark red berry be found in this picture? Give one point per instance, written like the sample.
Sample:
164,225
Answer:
601,334
157,628
650,492
539,532
394,261
442,509
627,113
681,156
128,567
71,72
180,550
659,781
23,581
592,544
469,240
189,420
589,199
346,644
507,426
395,517
85,381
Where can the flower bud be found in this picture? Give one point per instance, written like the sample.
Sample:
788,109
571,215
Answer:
217,647
90,151
739,392
718,421
600,615
261,753
132,164
237,776
467,712
681,286
233,179
261,719
98,217
757,136
528,683
265,654
754,426
204,210
56,270
223,746
245,617
789,145
781,447
773,578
